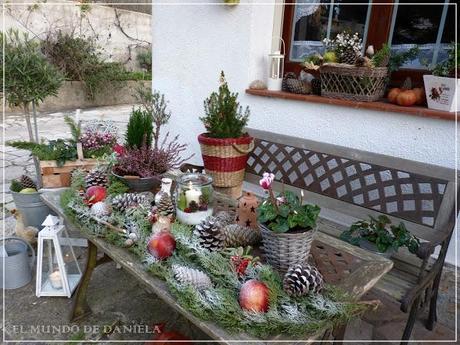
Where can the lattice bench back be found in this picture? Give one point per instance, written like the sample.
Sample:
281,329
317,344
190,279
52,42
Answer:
359,183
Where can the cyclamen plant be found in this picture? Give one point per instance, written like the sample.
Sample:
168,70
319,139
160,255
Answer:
285,212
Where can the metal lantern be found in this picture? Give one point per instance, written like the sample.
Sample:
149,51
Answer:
58,271
275,74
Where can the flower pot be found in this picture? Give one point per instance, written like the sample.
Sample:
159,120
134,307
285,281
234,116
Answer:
225,159
283,250
441,93
32,208
140,184
370,246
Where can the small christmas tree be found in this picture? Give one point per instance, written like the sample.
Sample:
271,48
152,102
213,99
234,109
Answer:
224,116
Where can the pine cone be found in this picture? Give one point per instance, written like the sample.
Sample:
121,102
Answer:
287,76
27,182
124,201
225,218
349,56
300,280
101,209
240,236
298,86
316,86
407,85
165,206
190,276
210,233
96,177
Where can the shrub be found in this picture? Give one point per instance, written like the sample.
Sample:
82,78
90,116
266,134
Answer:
139,130
144,59
224,117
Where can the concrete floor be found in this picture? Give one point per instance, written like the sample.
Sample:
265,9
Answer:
115,299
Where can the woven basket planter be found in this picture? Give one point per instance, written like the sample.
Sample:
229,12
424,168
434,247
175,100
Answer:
283,250
225,159
353,83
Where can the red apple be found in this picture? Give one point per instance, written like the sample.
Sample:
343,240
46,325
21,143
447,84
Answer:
95,194
161,245
254,296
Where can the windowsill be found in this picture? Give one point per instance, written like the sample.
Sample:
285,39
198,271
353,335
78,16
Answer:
380,106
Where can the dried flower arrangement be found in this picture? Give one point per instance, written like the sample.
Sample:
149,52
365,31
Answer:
144,155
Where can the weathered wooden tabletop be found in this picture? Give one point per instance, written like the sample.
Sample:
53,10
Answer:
350,267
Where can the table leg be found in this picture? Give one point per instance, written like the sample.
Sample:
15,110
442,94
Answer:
339,334
80,307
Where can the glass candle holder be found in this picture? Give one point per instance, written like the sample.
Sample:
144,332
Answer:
194,198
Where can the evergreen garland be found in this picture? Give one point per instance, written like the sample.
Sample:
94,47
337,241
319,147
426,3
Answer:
224,116
298,317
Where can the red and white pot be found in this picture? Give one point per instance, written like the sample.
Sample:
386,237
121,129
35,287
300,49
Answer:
225,159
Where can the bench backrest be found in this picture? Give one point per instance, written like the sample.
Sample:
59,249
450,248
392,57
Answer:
359,183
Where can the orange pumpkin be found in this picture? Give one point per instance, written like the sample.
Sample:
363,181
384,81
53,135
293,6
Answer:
420,93
406,98
393,94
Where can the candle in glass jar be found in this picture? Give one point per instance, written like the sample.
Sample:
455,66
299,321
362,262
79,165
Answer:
55,279
192,195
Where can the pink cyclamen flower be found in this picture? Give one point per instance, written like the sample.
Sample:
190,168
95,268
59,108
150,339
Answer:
280,200
267,180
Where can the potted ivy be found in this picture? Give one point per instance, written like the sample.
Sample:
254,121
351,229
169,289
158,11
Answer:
225,145
145,158
287,226
442,88
380,236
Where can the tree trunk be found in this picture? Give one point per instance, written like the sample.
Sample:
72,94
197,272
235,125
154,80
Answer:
34,113
34,140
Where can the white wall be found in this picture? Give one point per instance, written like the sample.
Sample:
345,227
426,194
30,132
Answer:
193,43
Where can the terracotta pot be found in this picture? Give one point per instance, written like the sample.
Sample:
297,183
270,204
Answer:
246,212
225,159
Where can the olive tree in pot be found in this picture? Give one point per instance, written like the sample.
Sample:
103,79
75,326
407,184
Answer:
287,226
442,89
380,236
29,79
145,156
225,146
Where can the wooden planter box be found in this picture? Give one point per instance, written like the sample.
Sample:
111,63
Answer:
54,176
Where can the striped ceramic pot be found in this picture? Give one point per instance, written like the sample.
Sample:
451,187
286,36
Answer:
225,159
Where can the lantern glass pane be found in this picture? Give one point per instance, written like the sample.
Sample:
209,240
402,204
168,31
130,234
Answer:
71,267
51,280
275,68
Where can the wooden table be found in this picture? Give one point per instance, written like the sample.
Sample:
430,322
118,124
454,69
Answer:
352,268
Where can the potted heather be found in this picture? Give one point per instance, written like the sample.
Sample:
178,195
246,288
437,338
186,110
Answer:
287,226
145,158
442,88
380,236
225,145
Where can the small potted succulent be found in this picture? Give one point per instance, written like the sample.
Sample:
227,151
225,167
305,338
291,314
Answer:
145,158
287,226
380,236
442,88
225,145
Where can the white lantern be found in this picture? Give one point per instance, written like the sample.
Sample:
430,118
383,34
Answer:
58,271
276,71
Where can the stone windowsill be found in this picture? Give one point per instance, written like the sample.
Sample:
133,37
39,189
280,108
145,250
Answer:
381,106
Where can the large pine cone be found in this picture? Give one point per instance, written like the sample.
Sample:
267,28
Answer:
298,86
96,177
165,206
287,76
301,280
27,182
124,201
240,236
349,56
316,86
190,276
210,232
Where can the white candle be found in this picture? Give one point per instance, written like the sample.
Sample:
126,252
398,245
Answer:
192,195
55,279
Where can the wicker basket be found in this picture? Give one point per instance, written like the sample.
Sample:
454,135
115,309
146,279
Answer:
225,159
353,83
283,250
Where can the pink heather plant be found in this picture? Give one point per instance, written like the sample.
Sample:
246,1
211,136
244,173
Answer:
97,143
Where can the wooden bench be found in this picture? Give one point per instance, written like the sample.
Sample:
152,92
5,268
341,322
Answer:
351,184
355,183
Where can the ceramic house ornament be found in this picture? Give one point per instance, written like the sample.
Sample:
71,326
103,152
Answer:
58,271
246,214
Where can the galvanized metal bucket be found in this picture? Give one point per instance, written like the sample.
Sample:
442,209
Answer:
32,208
18,266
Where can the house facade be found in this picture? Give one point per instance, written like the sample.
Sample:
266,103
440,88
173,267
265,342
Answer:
193,42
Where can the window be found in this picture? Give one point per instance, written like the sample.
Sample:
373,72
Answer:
429,26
